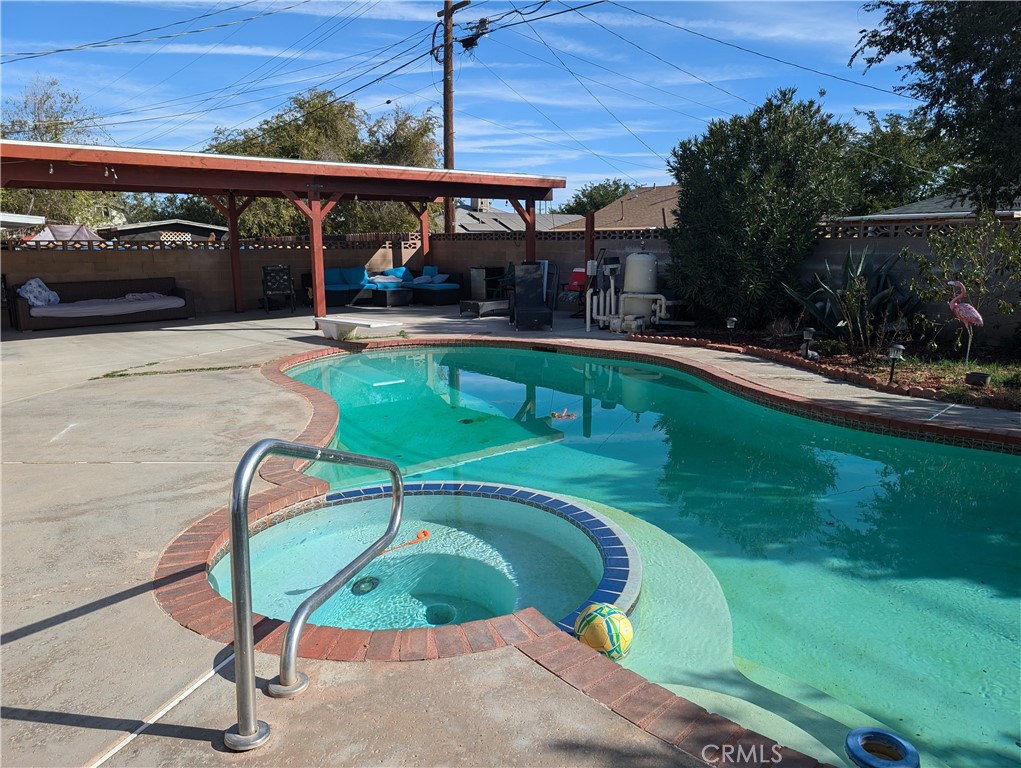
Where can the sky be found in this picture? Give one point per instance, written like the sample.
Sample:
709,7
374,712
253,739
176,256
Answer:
584,90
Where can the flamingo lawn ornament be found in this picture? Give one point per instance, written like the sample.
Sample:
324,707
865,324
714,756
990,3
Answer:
964,312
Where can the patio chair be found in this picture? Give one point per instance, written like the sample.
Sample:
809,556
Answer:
531,306
277,282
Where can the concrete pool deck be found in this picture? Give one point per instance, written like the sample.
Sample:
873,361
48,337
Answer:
101,474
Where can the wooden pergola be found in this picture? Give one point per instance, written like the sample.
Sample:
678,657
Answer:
231,183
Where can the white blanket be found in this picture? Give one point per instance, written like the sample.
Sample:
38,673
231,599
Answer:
125,305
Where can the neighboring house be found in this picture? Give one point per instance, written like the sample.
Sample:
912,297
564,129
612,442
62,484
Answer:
478,216
168,231
641,208
945,207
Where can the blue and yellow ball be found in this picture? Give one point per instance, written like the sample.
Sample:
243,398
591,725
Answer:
606,628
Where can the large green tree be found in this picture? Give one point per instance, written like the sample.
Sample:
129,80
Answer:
896,162
44,111
966,71
317,126
752,190
592,197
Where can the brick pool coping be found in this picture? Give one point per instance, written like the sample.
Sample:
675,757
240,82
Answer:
182,588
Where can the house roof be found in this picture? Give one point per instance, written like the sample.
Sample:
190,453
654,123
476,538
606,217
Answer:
641,208
936,207
469,219
167,224
20,220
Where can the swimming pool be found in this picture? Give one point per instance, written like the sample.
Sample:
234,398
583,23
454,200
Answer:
882,572
479,551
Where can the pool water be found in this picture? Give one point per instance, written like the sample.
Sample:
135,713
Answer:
483,557
884,573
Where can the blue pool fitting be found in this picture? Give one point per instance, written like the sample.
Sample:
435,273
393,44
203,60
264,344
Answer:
878,748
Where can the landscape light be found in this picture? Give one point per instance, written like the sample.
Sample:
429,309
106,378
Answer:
808,333
895,353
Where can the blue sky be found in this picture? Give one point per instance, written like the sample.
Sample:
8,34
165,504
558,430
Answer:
605,90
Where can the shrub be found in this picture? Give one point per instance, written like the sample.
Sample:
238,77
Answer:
863,305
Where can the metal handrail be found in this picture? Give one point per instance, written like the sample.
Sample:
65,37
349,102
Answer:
250,732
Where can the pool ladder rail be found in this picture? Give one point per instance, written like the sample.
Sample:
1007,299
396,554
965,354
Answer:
250,732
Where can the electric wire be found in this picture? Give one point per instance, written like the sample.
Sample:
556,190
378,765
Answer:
758,53
593,95
664,61
228,97
114,42
559,127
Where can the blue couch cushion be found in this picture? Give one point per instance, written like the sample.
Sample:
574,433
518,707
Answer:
432,271
345,278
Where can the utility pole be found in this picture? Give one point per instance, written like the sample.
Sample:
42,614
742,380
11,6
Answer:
447,14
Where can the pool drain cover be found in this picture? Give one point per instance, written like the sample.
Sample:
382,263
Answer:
365,585
440,613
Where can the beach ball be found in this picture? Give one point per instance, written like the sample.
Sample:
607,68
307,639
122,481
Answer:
606,628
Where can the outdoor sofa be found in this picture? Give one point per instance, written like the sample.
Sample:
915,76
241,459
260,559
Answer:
351,285
104,302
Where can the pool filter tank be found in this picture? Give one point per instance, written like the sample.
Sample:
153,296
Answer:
639,277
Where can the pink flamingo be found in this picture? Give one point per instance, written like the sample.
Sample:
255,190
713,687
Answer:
964,312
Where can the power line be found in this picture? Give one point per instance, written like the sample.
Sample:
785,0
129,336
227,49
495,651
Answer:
758,53
664,61
113,42
559,127
590,93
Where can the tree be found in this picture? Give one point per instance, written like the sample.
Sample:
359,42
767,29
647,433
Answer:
395,138
317,126
752,190
897,163
594,196
45,112
966,71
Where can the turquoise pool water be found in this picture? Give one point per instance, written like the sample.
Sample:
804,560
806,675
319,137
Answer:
883,572
482,557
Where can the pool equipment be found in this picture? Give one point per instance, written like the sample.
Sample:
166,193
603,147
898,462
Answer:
879,748
638,306
606,629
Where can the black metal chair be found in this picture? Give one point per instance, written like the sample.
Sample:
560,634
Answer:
277,281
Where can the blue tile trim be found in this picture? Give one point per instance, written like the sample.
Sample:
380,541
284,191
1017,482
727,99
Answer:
621,577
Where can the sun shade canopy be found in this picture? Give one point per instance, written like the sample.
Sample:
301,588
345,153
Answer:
39,165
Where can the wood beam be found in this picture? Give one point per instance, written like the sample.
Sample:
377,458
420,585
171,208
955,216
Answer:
527,213
423,229
315,209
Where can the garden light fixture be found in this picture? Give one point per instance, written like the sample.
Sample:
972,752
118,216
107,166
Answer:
808,333
731,322
895,353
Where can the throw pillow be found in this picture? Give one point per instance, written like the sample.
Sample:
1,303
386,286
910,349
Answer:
422,279
440,278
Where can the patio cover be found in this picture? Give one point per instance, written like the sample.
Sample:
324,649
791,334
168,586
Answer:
231,183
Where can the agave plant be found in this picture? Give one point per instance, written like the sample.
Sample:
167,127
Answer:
863,304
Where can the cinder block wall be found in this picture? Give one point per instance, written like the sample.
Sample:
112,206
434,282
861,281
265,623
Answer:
205,268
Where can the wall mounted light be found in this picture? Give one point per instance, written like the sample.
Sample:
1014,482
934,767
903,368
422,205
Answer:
895,353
